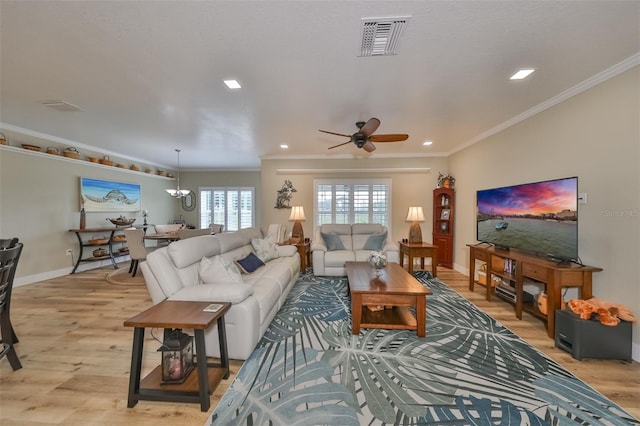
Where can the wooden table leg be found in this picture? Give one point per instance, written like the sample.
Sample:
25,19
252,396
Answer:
303,258
472,271
136,366
222,339
356,312
434,264
203,376
410,265
421,316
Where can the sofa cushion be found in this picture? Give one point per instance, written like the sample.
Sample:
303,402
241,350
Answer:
231,292
265,249
218,270
249,263
376,241
337,258
187,252
332,241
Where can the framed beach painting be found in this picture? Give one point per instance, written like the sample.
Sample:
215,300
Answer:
98,195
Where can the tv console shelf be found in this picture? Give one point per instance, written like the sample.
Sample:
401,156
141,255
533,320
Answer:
520,267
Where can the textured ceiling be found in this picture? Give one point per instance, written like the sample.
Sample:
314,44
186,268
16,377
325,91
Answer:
148,75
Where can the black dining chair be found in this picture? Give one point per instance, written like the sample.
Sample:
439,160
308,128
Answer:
6,243
9,258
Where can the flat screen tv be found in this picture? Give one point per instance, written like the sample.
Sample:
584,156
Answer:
540,218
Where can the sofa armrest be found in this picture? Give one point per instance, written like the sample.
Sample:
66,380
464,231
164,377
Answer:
226,292
286,251
318,245
391,246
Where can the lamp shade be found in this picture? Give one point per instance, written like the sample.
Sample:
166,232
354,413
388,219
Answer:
297,233
297,213
415,214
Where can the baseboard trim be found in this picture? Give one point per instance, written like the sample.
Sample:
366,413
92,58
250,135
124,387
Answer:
35,278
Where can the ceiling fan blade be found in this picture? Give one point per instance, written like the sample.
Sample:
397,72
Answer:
370,126
333,133
369,147
389,138
335,146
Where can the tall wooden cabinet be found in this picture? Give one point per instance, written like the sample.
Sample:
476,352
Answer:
443,216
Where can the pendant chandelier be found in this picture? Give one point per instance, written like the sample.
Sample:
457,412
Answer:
178,193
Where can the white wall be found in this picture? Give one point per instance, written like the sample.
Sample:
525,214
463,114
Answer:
409,188
196,180
40,202
595,136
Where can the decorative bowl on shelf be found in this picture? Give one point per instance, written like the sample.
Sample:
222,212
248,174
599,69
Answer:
98,239
121,221
71,152
31,147
100,252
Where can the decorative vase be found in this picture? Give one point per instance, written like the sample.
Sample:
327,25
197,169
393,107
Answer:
378,262
83,219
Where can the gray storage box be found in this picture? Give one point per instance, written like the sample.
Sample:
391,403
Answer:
590,339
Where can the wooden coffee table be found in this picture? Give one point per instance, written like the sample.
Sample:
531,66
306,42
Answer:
396,288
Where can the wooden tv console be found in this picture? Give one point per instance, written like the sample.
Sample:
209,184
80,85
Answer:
521,266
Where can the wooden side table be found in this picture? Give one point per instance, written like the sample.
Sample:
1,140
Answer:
304,250
420,250
197,387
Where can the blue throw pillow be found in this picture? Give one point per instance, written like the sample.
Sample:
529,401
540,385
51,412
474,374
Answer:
249,264
376,242
332,241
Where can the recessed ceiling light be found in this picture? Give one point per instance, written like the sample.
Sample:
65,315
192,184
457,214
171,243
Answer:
232,84
523,73
283,146
427,143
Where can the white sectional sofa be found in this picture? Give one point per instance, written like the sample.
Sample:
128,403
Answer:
328,261
175,273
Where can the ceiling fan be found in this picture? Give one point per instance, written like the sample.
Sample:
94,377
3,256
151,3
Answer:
364,137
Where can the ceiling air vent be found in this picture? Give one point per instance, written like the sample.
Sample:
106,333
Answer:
380,36
61,106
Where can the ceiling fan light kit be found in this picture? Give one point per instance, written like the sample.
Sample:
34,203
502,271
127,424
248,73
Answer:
364,137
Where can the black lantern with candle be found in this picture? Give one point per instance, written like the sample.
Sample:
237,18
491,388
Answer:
177,356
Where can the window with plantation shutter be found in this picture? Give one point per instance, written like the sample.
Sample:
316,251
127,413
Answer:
349,201
232,207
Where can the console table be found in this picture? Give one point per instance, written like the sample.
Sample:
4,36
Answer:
513,267
110,231
171,314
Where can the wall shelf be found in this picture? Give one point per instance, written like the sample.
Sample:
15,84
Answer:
84,162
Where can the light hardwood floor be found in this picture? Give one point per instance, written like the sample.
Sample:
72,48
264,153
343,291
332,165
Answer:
76,353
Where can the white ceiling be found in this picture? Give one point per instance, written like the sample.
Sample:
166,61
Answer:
148,75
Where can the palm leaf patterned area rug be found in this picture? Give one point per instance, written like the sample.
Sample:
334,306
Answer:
309,369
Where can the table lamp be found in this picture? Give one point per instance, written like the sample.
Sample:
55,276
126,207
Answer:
297,214
415,216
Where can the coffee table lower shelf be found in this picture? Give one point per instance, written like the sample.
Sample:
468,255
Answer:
152,388
395,318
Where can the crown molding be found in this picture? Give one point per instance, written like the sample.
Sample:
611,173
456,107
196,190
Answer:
368,170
